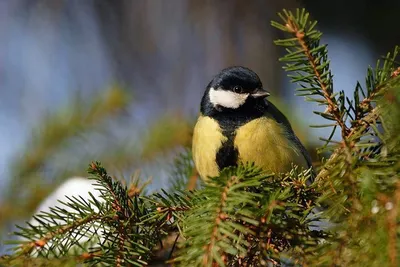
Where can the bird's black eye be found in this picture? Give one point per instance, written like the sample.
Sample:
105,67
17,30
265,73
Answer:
238,89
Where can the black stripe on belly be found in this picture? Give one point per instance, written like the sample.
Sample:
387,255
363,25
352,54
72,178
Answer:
227,155
230,120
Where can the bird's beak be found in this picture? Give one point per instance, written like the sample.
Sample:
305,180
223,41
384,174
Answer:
260,93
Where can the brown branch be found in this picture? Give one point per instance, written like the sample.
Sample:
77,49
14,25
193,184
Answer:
220,215
28,248
332,105
395,73
119,261
361,127
365,105
103,174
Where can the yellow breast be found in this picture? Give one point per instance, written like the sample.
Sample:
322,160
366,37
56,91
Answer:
207,139
264,142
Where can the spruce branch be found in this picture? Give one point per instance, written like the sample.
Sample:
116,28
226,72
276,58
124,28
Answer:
226,225
367,172
219,217
130,241
231,212
311,65
370,118
110,189
363,165
212,228
114,225
167,210
28,248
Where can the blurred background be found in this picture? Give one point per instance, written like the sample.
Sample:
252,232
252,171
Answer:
120,81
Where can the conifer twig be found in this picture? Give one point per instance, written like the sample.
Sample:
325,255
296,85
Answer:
220,215
96,168
326,88
62,230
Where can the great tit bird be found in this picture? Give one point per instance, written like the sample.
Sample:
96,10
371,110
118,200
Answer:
238,124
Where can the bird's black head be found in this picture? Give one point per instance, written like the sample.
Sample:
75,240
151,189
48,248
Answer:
233,89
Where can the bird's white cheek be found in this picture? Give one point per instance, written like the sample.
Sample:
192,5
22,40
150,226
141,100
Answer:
227,99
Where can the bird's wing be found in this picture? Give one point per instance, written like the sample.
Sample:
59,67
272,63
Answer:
280,118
